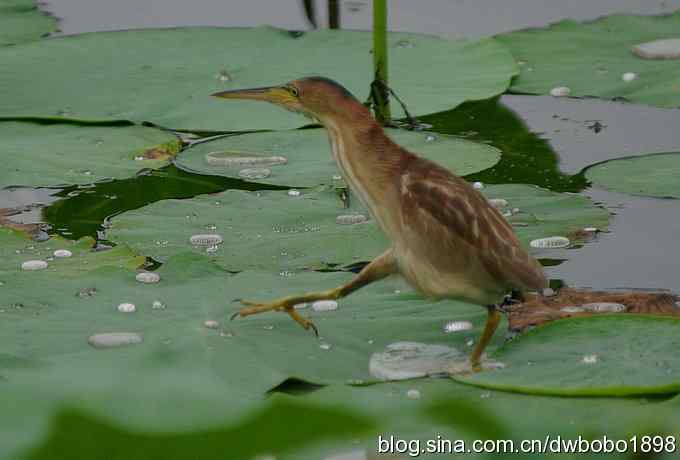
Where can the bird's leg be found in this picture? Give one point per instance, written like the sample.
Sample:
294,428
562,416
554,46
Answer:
381,267
492,320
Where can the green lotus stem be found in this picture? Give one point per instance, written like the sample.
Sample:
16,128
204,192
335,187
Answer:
379,91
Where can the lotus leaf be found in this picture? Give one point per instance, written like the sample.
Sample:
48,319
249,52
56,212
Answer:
309,161
56,154
608,355
166,76
590,59
651,175
22,21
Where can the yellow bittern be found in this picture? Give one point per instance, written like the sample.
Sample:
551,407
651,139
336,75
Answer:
447,240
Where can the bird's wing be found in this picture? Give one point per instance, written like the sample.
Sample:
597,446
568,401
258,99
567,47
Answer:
447,209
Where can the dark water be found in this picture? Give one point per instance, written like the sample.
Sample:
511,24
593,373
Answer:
545,141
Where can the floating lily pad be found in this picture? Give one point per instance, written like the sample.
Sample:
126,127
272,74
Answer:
275,231
39,155
651,175
591,58
166,76
22,21
309,161
609,355
16,248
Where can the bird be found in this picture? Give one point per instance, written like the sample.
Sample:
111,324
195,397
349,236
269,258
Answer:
447,240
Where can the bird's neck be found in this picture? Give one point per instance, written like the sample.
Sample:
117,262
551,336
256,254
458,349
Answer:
369,161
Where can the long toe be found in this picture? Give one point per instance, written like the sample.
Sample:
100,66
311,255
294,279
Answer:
253,308
302,321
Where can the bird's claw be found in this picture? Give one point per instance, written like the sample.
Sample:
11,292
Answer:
253,308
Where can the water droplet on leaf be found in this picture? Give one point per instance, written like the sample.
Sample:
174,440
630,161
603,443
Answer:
560,91
148,277
325,305
404,44
62,253
407,360
211,324
498,202
223,76
31,265
86,293
550,242
127,308
590,359
350,219
255,173
114,339
572,309
229,159
211,239
457,326
604,307
658,49
413,394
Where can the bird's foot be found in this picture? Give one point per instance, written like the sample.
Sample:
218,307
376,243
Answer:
284,305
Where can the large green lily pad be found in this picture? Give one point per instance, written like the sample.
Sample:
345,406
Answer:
166,76
39,155
651,175
186,385
591,58
22,21
185,376
612,355
275,231
310,162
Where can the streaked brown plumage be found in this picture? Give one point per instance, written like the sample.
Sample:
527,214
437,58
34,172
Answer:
448,241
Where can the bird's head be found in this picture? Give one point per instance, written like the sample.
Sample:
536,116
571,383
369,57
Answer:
316,97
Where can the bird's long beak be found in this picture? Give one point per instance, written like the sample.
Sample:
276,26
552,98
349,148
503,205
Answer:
274,94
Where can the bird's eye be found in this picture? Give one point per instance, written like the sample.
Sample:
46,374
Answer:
294,91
